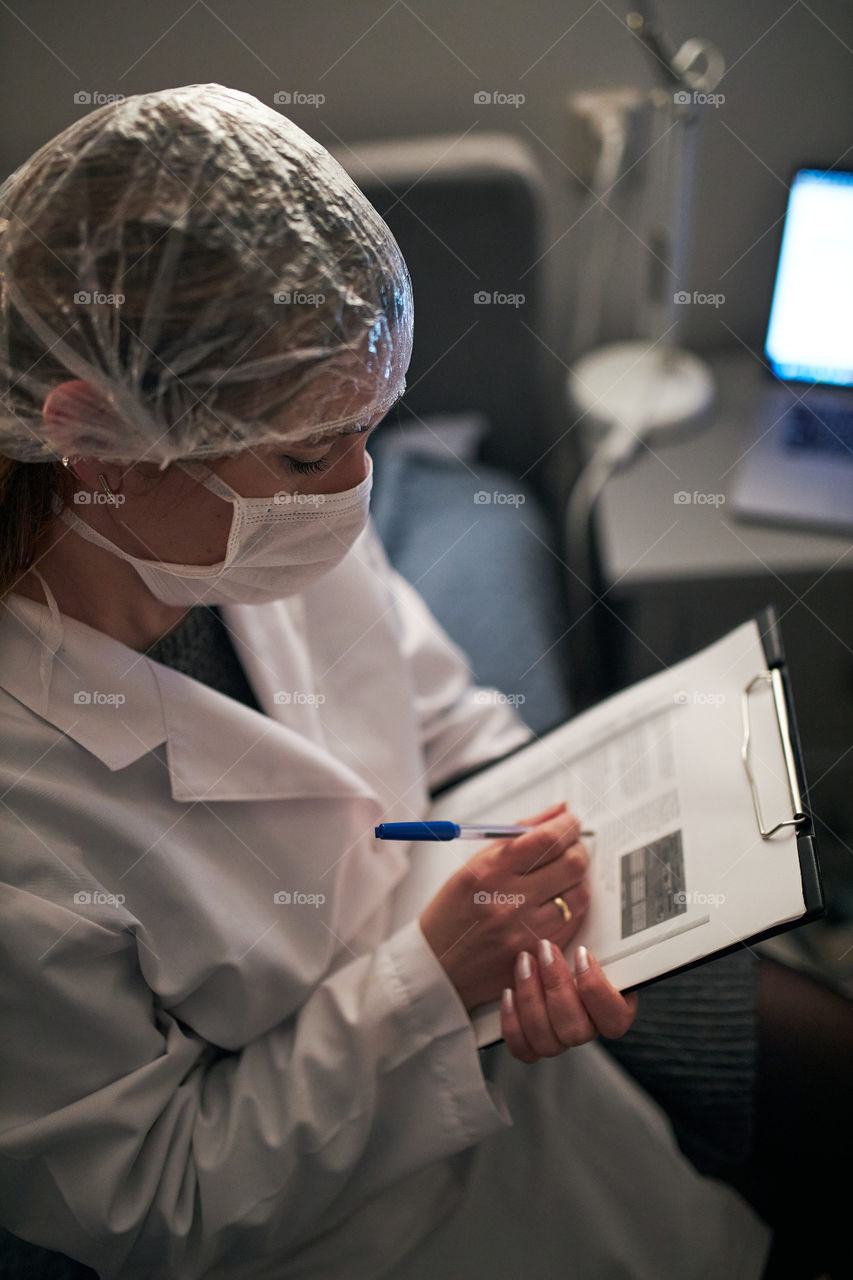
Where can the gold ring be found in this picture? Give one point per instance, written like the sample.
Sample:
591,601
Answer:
567,915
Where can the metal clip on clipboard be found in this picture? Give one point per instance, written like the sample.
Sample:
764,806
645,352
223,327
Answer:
773,677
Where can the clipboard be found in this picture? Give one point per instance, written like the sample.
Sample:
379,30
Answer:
800,817
769,819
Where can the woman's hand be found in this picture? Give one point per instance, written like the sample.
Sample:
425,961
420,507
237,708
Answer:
550,1011
501,902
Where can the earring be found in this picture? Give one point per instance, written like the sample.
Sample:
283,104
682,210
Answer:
66,462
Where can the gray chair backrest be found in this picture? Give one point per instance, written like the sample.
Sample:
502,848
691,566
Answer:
468,213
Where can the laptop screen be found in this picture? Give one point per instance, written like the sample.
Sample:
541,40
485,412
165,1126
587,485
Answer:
810,332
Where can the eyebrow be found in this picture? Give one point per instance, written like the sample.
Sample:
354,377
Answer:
348,431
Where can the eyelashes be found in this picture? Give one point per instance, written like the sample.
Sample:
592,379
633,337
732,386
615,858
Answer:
306,468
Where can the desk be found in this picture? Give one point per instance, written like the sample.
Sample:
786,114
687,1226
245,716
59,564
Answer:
646,536
679,574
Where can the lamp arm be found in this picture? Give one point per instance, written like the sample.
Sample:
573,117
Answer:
677,67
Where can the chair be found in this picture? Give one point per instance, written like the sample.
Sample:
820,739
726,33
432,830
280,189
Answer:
478,528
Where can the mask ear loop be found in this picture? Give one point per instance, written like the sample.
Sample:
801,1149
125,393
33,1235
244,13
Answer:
51,640
209,478
52,637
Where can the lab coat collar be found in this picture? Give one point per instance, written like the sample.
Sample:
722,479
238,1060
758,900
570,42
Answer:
119,705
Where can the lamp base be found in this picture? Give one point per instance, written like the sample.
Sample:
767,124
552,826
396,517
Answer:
643,387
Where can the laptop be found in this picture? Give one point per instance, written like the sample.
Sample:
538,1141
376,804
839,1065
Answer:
799,468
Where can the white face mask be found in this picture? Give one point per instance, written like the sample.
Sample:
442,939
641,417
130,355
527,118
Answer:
275,549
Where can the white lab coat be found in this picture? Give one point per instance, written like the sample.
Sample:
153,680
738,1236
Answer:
202,1078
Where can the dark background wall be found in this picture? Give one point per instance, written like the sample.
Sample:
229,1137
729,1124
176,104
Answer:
412,66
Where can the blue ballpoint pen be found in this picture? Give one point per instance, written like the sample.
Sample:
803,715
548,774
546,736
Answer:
449,831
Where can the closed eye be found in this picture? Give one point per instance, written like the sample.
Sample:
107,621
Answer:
306,468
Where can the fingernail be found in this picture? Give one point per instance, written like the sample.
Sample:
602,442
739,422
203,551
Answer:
523,965
546,951
581,960
506,1000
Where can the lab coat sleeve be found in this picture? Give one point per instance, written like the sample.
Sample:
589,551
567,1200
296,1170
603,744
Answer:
133,1145
462,725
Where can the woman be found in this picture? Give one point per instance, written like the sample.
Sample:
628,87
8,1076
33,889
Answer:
219,1062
